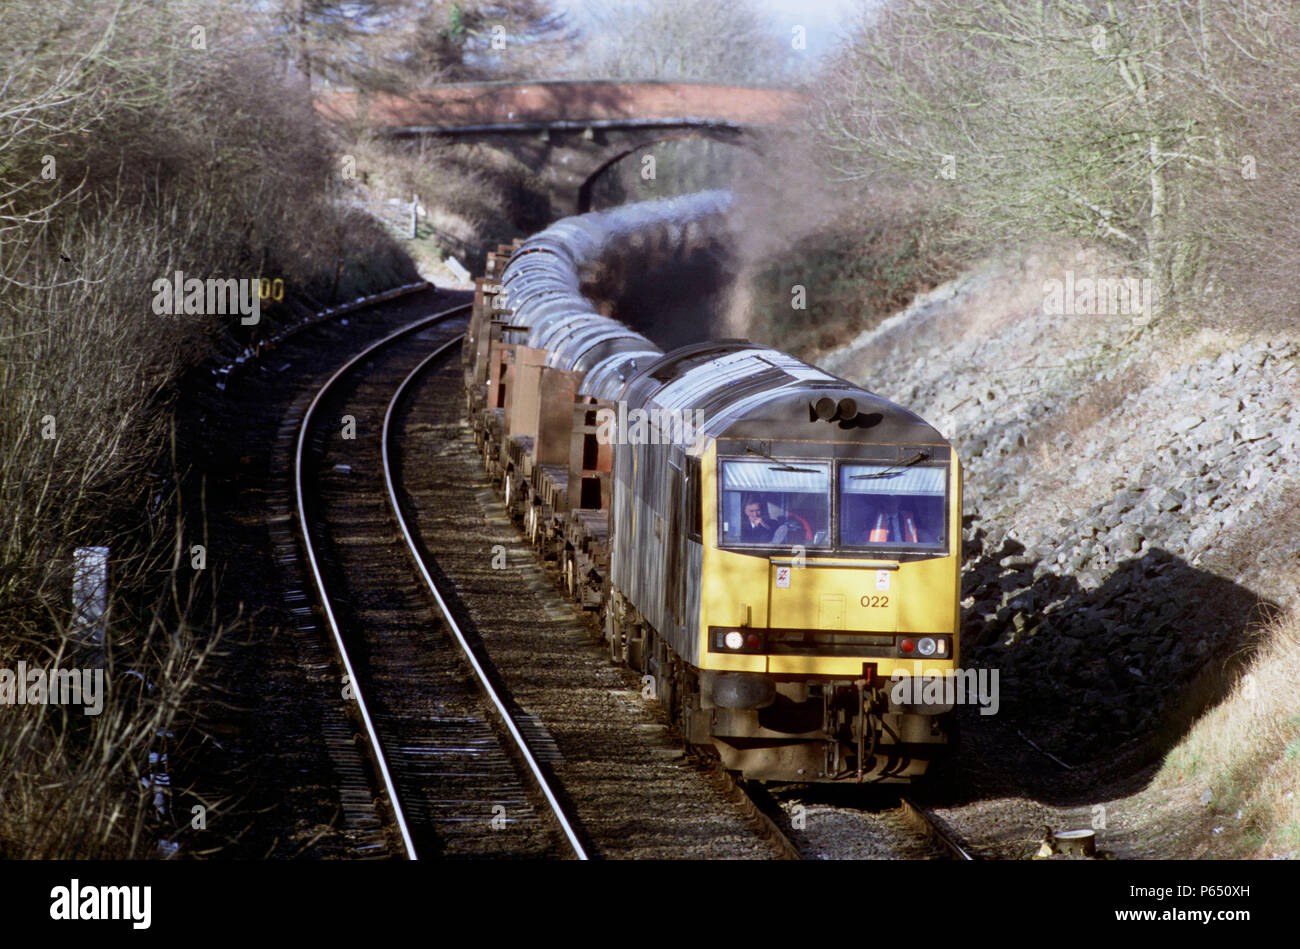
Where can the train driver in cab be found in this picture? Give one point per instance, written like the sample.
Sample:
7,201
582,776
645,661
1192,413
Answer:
787,527
756,528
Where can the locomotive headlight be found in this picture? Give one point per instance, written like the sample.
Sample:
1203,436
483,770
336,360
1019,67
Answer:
925,646
735,640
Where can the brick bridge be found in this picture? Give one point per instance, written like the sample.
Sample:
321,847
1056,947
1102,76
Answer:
567,132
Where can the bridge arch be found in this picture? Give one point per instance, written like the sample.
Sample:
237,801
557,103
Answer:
612,156
569,132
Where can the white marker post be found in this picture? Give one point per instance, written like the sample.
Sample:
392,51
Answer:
457,269
90,594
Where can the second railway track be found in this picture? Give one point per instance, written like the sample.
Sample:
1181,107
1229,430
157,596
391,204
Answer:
449,786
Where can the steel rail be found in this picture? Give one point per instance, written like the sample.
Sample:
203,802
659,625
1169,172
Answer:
926,825
759,805
381,761
508,720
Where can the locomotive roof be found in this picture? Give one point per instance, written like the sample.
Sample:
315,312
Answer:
749,391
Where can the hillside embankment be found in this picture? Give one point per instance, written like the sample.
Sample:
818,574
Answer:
1131,538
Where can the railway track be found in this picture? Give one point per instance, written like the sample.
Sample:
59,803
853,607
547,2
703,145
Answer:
448,784
283,774
506,715
857,822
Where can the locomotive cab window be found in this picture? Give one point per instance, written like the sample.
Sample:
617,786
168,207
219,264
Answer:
775,504
892,506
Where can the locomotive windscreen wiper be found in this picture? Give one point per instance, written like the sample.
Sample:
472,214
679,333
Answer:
895,469
764,454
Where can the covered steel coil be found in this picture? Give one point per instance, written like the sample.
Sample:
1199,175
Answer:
542,282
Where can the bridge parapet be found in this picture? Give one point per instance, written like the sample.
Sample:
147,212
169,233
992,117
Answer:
569,132
497,104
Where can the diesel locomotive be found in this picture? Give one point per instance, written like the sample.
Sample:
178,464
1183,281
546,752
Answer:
774,548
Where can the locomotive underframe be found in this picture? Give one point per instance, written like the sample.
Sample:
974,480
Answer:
810,728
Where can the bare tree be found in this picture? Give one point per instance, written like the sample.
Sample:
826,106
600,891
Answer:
701,40
393,45
325,39
486,39
137,138
1113,121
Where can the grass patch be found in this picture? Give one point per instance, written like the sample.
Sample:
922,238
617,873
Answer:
1246,751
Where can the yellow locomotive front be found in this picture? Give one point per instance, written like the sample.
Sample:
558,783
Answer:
829,597
789,574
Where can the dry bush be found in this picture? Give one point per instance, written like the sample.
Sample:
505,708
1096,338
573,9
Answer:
226,174
164,158
95,786
475,197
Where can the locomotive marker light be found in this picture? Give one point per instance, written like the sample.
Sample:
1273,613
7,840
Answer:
931,647
737,640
